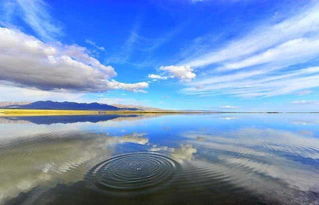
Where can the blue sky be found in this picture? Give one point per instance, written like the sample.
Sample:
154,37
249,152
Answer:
232,55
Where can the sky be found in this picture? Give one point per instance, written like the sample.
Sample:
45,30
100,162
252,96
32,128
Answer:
228,55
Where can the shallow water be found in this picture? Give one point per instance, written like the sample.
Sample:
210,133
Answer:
168,159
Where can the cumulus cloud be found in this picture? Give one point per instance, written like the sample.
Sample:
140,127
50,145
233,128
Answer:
135,87
28,62
180,72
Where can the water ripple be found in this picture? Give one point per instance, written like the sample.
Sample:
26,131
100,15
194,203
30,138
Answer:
133,172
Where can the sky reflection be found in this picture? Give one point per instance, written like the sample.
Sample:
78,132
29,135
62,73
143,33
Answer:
269,156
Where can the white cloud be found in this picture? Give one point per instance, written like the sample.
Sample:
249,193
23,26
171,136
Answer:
306,102
92,43
35,14
229,107
157,77
181,72
28,62
269,61
135,87
286,54
262,86
304,92
263,38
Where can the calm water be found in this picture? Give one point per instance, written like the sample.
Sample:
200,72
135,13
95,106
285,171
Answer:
172,159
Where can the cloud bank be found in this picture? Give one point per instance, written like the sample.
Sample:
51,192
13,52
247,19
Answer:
26,61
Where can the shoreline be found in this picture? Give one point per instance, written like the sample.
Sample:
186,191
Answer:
39,112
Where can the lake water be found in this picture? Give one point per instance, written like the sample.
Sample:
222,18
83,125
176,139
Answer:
168,159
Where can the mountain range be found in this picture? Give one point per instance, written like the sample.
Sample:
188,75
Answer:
51,105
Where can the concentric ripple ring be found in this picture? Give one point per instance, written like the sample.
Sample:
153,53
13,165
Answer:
133,172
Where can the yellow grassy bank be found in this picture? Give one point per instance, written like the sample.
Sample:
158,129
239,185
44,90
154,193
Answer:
36,112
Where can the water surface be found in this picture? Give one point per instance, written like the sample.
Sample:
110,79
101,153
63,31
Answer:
167,159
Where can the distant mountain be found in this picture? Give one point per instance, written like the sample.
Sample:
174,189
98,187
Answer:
50,105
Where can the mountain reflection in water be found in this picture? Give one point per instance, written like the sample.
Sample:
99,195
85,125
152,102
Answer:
265,159
68,119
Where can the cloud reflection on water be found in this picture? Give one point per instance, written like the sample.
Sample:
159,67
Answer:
267,161
46,160
267,155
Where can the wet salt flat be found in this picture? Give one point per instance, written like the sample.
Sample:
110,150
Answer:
168,159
